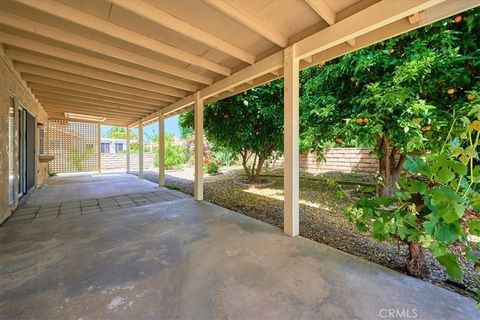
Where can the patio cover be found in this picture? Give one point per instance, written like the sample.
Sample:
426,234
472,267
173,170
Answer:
135,62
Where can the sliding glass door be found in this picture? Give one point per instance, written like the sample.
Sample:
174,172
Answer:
11,151
26,151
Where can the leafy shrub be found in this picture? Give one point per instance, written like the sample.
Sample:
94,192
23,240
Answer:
225,157
211,166
175,156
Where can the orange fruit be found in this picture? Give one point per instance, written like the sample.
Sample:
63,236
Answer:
457,19
470,97
339,140
359,120
451,91
426,128
352,79
365,120
392,51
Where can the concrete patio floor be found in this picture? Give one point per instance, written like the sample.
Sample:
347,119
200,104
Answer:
181,259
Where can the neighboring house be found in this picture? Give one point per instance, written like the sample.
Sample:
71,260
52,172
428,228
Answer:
115,145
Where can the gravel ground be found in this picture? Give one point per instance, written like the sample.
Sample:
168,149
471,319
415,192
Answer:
320,214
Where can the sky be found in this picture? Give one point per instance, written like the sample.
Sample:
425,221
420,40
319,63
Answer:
171,126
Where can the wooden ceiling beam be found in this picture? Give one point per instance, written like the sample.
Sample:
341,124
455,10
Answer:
52,108
113,30
43,30
47,73
163,84
57,110
376,16
80,108
69,97
22,59
168,21
92,104
323,9
62,85
249,21
48,89
367,20
61,117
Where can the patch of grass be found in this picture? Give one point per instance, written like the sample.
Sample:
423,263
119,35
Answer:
172,187
52,174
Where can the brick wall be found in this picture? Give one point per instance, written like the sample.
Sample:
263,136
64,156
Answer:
336,159
11,85
112,161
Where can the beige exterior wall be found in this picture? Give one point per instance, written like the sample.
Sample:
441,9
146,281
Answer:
11,85
336,159
113,161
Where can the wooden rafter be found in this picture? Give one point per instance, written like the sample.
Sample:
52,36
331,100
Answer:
43,30
323,9
166,20
64,91
103,26
251,22
87,89
171,87
75,98
101,106
128,87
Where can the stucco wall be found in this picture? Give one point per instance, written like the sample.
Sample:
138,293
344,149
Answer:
11,84
114,161
336,159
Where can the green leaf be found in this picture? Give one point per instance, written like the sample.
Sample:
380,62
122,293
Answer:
458,167
449,261
416,165
475,201
474,227
447,204
445,175
438,249
446,233
361,226
417,187
430,224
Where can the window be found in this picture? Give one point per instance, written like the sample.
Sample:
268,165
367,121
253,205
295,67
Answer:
118,147
11,153
42,139
105,147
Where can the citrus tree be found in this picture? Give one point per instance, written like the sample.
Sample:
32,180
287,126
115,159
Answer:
395,97
249,124
437,204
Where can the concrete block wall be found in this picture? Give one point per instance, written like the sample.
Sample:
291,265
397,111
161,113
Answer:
336,159
113,161
12,85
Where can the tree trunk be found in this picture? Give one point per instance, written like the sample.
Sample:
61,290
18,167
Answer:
254,170
390,169
245,166
416,261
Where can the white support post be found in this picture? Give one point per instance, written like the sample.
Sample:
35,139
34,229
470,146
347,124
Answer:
128,148
99,137
291,149
140,150
198,185
161,149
